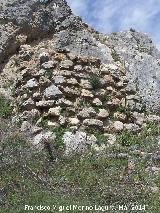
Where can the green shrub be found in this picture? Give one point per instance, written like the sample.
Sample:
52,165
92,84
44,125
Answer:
148,134
126,110
49,73
152,129
58,141
44,123
114,33
84,103
96,108
132,30
82,179
127,139
104,98
144,109
115,56
95,81
5,108
102,139
63,110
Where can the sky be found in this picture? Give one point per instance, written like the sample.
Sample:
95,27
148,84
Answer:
118,15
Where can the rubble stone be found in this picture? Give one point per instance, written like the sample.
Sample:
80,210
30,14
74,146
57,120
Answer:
86,93
118,126
49,65
93,122
66,64
73,121
103,113
54,111
32,83
97,102
52,92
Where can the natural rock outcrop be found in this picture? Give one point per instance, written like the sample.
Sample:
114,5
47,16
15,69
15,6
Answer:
30,19
23,21
142,62
64,74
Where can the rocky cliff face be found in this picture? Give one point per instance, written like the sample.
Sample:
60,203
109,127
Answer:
141,60
79,120
32,19
60,72
23,22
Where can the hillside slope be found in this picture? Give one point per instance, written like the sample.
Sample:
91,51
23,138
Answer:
79,113
25,21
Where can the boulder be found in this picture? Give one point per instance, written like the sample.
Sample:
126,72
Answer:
86,93
120,116
62,120
139,118
87,112
118,126
45,104
93,122
71,92
72,82
37,96
26,127
49,65
52,124
78,68
131,127
59,79
97,102
85,84
64,102
32,83
44,82
153,118
78,142
66,64
108,80
54,111
111,139
52,92
103,113
74,121
40,138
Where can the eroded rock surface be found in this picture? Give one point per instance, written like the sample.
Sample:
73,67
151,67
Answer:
59,73
24,21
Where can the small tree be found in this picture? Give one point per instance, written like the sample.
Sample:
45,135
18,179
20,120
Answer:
95,81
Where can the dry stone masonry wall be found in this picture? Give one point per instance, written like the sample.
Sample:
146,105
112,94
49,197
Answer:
77,92
64,74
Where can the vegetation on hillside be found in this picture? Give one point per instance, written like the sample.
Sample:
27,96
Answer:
117,177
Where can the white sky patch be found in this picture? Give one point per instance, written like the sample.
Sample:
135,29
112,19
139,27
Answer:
117,15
